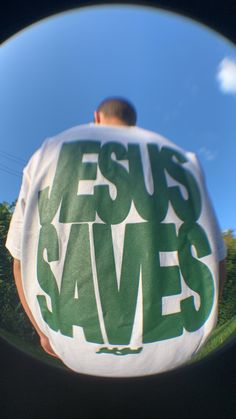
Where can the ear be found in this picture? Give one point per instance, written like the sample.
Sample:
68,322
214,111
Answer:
97,119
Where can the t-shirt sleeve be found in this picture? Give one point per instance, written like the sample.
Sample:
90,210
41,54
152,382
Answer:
217,235
14,237
13,242
212,218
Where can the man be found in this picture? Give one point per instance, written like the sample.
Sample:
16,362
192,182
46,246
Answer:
118,257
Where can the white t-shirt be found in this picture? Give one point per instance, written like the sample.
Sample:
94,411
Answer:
119,249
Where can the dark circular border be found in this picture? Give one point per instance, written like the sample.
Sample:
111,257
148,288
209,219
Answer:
218,15
32,389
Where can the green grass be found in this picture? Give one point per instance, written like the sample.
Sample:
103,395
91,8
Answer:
218,338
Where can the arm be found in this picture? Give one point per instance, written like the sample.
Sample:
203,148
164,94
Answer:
18,281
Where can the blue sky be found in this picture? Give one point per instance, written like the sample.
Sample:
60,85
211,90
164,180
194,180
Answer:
180,76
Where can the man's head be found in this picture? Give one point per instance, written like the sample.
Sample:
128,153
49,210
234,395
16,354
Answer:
115,111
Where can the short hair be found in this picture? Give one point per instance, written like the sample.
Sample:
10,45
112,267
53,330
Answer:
119,108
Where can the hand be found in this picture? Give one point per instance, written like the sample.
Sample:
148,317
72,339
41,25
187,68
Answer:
44,341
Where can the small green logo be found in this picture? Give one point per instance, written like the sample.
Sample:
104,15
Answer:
117,351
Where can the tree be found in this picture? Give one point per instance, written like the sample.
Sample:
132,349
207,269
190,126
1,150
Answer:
6,260
227,306
12,316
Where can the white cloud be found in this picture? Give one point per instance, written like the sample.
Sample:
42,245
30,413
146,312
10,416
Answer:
207,154
226,75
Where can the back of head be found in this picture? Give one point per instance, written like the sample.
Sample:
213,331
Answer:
119,109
